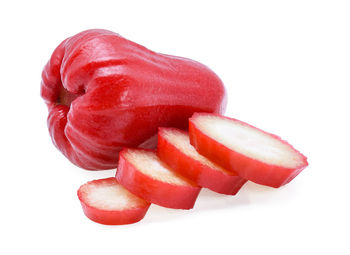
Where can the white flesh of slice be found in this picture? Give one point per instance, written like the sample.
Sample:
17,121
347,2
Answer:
248,141
110,196
181,141
148,163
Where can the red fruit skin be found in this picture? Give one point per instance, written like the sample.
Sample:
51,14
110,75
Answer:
105,92
114,217
105,217
225,183
155,191
248,168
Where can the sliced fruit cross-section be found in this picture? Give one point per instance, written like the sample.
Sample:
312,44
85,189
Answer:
175,150
107,202
144,174
255,155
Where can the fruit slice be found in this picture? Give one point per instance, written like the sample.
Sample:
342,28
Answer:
175,150
144,174
237,146
107,202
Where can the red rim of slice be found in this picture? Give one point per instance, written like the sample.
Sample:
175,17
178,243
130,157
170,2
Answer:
247,167
181,195
193,165
110,216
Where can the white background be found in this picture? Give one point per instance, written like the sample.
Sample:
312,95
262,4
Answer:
286,66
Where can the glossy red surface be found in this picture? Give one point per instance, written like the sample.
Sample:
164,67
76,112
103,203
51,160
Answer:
105,92
247,167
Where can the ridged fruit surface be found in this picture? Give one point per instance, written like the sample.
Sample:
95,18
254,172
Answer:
105,92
